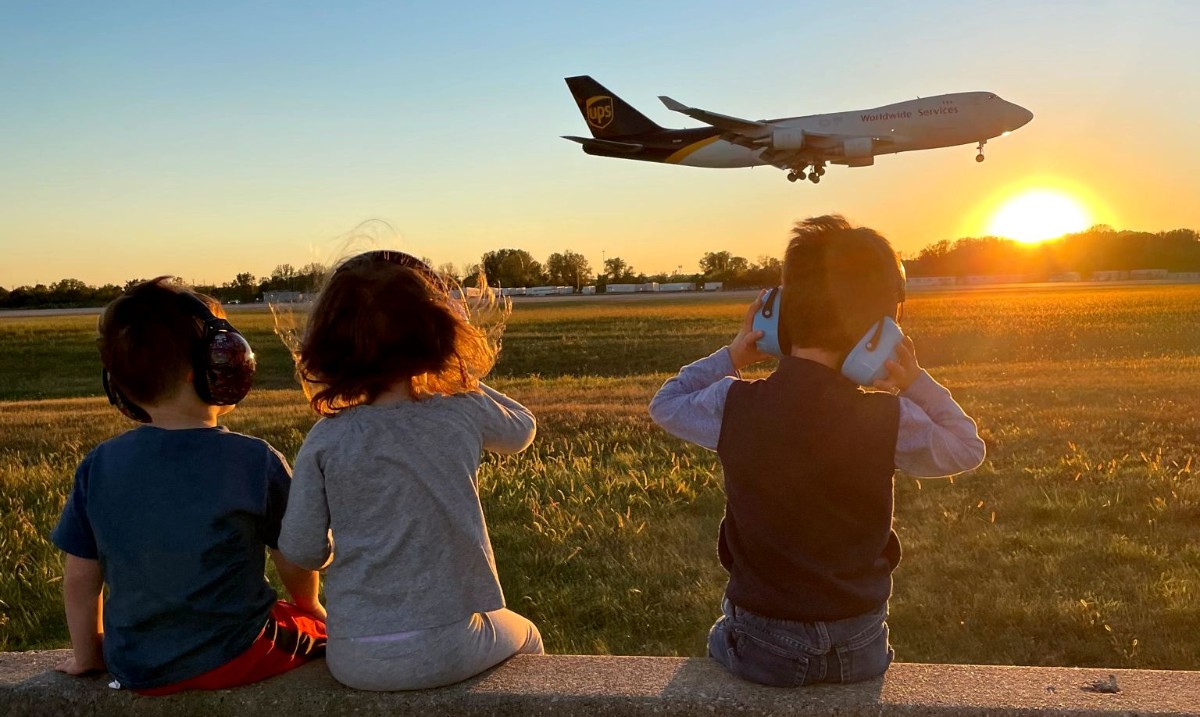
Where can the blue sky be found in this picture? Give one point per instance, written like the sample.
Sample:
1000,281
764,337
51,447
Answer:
206,139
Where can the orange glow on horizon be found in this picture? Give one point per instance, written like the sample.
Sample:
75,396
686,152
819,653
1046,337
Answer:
1039,214
1036,210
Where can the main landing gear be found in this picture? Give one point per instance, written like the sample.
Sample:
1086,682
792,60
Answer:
814,176
979,157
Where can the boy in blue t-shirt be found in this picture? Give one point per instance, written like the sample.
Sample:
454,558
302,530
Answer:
176,516
808,459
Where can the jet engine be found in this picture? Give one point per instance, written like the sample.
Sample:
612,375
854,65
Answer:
858,147
787,138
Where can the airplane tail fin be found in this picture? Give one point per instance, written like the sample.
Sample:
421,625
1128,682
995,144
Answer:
607,115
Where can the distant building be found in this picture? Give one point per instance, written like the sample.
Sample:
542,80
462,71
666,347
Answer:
285,297
677,286
471,292
980,279
920,282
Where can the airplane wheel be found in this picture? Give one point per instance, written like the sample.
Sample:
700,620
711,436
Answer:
792,176
979,157
821,171
814,178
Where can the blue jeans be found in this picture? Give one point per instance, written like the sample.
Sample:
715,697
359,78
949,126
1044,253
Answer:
785,653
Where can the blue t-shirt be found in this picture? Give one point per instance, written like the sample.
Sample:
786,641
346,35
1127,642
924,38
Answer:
179,520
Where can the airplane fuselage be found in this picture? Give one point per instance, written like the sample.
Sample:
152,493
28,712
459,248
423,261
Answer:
925,123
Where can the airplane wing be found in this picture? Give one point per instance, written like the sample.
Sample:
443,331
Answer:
608,144
751,133
750,129
755,134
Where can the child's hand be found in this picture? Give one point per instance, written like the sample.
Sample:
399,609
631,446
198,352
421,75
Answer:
743,350
77,666
316,609
901,373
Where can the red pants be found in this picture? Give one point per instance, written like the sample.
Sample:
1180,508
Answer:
290,639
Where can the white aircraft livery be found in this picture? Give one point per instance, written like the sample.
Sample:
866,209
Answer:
801,145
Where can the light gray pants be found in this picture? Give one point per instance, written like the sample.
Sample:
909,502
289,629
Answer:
435,657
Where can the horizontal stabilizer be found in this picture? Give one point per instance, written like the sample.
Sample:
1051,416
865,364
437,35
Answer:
674,105
607,144
744,127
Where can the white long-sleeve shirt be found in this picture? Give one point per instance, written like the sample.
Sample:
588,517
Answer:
936,437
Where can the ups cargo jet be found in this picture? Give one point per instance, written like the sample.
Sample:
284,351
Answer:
801,145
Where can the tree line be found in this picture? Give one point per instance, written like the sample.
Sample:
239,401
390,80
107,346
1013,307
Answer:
1100,248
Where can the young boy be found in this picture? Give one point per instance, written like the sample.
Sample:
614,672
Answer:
175,516
808,459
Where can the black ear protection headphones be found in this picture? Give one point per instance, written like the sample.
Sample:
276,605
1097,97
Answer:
223,363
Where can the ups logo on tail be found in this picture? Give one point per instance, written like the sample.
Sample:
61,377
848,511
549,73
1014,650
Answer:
599,111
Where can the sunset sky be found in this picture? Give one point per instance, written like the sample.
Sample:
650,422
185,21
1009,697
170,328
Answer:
207,139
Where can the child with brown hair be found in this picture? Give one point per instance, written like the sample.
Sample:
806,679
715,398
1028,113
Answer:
385,492
808,459
176,516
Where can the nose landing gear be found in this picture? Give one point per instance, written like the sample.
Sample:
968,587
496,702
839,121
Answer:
979,157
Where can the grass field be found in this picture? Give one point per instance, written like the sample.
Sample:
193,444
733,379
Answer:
1077,542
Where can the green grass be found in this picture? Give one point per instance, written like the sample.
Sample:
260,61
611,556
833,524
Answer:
1075,544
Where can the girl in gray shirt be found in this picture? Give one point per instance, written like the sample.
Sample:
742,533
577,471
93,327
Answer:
384,494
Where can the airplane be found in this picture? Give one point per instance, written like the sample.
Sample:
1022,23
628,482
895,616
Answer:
800,145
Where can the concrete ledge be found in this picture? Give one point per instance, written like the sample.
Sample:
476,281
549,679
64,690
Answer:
574,685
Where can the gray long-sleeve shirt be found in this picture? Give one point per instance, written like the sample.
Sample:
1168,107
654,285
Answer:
396,485
936,437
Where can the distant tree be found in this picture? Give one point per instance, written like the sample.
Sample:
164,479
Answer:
512,267
723,266
211,290
70,292
448,270
311,276
767,271
931,260
243,289
31,296
472,274
617,271
568,268
283,278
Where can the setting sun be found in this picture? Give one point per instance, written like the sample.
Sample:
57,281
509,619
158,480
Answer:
1039,214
